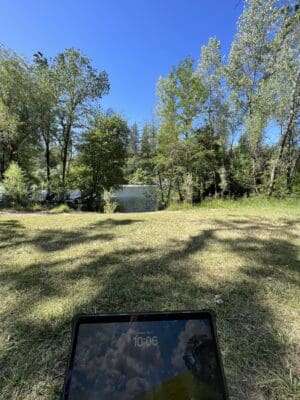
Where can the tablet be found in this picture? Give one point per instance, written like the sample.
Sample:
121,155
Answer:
145,356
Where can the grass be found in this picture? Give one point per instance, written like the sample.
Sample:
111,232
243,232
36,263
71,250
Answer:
244,202
60,209
53,266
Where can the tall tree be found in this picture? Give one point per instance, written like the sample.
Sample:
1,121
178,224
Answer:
8,133
46,99
133,140
211,72
168,136
181,97
79,86
284,86
247,71
17,89
147,153
132,163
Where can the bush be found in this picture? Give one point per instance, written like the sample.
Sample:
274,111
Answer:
35,207
109,205
15,184
62,208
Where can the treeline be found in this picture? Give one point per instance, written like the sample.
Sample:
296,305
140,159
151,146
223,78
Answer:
224,127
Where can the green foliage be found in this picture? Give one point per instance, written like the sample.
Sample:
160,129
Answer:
79,85
210,138
181,97
139,177
36,207
102,156
60,209
109,205
15,184
18,134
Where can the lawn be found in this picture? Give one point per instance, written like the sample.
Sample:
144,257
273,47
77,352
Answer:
53,266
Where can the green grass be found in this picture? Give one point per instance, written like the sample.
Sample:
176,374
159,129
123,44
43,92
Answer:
62,208
244,202
53,266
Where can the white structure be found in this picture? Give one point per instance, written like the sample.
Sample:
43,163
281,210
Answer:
136,198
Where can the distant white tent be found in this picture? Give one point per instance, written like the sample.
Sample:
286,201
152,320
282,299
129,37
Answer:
136,198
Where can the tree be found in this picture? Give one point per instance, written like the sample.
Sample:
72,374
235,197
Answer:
46,99
284,86
15,184
17,88
147,153
168,136
8,132
79,86
190,94
247,73
133,152
133,141
212,75
102,157
180,100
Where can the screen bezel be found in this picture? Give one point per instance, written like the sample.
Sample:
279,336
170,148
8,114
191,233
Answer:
139,317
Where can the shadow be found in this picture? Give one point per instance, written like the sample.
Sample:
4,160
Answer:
116,222
57,240
170,276
10,232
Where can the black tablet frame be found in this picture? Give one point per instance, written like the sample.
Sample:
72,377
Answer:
134,317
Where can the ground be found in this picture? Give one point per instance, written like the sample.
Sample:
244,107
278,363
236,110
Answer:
53,266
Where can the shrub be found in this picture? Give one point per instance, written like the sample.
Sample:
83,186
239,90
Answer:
15,184
109,205
35,207
62,208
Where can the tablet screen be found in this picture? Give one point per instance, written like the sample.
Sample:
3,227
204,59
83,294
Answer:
145,359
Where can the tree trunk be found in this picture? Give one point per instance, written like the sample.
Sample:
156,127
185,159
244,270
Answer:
2,168
254,177
287,132
169,192
215,185
179,191
47,155
66,143
292,171
161,190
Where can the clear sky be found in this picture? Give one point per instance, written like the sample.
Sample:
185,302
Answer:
135,41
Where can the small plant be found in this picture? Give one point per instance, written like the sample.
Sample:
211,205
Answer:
109,205
35,207
62,208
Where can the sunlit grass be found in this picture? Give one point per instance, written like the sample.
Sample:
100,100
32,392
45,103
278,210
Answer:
53,266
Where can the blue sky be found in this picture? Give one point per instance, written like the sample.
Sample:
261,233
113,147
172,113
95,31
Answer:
135,41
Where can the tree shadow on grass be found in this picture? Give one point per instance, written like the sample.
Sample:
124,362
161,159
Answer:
10,232
57,240
167,277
